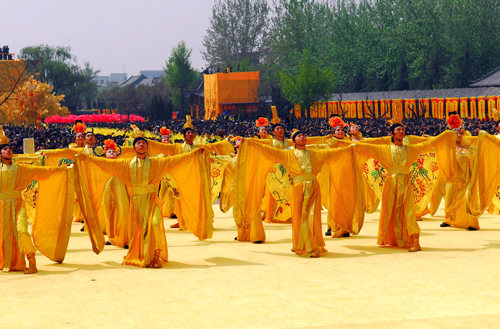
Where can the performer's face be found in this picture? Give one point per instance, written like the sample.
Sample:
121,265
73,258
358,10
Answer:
7,153
460,134
80,140
141,147
90,139
237,143
354,130
339,133
498,126
279,132
263,132
399,133
111,154
301,139
189,137
165,139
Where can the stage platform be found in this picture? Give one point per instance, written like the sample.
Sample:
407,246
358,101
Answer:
221,283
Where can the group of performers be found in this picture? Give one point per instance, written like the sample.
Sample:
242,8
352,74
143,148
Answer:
124,192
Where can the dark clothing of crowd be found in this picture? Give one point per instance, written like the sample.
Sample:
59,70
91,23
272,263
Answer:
55,136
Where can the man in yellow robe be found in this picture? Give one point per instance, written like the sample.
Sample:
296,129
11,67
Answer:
254,162
141,176
398,224
52,227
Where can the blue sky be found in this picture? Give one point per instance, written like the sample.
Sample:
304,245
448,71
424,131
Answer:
115,36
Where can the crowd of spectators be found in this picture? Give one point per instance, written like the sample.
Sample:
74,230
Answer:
55,136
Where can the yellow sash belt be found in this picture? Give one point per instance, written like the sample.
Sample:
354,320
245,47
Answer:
304,178
145,189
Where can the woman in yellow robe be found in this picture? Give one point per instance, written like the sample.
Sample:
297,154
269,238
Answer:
114,212
141,176
398,225
52,226
456,213
485,175
254,162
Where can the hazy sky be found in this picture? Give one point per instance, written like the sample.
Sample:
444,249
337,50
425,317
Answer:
115,36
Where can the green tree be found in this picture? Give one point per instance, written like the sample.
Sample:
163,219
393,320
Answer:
180,74
237,32
314,83
58,68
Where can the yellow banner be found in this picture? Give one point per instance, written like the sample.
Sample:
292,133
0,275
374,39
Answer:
481,107
464,107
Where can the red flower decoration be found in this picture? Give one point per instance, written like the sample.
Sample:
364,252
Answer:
164,131
109,144
79,128
454,121
336,121
262,122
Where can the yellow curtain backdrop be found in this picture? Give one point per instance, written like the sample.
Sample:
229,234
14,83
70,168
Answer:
385,108
297,110
498,103
424,105
437,108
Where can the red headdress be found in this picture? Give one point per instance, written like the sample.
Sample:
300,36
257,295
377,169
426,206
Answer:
336,122
261,122
79,128
454,122
164,131
109,144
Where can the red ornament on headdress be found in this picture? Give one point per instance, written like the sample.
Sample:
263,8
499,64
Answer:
164,131
262,122
336,121
79,128
454,121
109,144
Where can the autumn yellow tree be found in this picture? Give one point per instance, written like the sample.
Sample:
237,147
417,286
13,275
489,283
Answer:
30,102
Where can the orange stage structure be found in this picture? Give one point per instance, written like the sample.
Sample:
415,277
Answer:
231,93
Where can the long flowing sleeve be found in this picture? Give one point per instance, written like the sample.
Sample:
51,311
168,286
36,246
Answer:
91,176
254,162
444,145
156,148
485,174
53,156
347,191
190,172
52,225
220,148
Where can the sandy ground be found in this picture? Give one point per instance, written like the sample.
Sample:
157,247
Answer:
221,283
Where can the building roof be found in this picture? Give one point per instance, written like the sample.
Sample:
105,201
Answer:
418,94
133,80
491,79
199,90
149,82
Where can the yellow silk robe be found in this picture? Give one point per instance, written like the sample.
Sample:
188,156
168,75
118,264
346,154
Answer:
255,161
485,174
456,212
397,216
115,211
52,225
141,178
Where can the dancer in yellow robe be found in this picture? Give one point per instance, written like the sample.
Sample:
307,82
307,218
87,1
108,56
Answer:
114,211
398,225
52,226
141,176
254,162
456,213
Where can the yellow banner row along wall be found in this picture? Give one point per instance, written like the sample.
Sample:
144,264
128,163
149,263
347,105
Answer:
468,107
